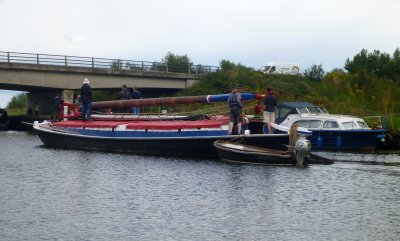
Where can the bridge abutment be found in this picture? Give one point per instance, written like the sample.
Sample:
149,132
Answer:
42,102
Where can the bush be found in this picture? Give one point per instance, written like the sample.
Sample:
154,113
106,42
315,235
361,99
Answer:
315,72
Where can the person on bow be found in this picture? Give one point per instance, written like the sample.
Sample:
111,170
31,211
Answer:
235,109
86,98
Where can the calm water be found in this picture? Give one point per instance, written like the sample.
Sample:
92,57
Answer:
48,194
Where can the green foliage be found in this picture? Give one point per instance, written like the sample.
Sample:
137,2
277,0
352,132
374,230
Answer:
340,92
177,63
104,95
18,112
116,64
17,102
315,72
134,67
225,80
375,63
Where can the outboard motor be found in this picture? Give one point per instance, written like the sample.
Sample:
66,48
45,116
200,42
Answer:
302,150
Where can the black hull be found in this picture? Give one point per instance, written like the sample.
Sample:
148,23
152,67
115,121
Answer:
172,146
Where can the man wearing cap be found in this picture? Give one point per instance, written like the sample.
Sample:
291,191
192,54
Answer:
86,98
269,111
235,109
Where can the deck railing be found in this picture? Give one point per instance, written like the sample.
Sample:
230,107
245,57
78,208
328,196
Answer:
91,62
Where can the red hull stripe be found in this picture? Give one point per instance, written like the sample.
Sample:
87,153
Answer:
152,125
174,125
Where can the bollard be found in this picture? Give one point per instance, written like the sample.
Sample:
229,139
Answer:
65,112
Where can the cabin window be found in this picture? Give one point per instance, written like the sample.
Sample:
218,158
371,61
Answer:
315,123
308,123
302,123
331,124
273,68
349,125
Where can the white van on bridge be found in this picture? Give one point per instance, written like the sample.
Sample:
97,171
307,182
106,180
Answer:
281,68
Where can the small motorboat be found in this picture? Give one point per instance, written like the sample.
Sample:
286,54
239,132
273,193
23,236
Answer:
242,153
329,131
300,155
297,153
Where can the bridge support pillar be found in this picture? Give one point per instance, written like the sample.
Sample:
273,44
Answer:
42,102
67,95
190,82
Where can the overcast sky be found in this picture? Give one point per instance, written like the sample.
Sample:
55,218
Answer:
251,32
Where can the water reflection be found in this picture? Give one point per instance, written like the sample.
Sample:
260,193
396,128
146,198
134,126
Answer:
386,158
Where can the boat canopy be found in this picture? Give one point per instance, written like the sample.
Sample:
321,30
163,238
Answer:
284,109
294,105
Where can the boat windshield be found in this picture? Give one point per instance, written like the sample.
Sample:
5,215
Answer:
311,110
323,110
314,110
362,124
303,110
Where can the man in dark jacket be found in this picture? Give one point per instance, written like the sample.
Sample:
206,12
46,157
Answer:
125,94
86,98
57,105
136,95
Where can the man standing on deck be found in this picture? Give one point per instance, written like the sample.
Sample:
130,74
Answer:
57,105
235,109
86,98
136,95
269,111
125,94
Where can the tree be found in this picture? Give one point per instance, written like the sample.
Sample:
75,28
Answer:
315,72
17,102
177,63
379,64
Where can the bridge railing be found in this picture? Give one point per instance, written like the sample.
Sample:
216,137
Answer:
91,62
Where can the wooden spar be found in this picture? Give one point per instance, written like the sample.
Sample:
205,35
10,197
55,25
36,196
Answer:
120,104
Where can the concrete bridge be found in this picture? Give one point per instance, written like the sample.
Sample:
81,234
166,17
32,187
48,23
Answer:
45,75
